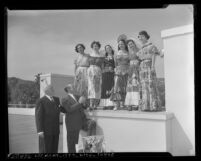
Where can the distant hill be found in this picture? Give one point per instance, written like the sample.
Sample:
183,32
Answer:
22,91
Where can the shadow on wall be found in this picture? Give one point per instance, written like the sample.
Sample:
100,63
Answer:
99,130
181,145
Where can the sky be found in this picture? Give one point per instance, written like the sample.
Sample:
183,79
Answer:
43,41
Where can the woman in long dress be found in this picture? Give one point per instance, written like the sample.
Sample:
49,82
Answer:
81,66
150,98
121,75
133,95
94,73
107,78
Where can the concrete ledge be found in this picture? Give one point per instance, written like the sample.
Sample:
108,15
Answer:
177,31
56,75
131,114
21,111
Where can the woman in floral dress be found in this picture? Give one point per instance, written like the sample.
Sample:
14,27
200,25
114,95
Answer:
81,66
121,75
133,94
94,73
150,98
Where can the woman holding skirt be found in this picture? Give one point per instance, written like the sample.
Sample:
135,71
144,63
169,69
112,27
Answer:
121,75
107,78
94,73
132,90
81,66
150,98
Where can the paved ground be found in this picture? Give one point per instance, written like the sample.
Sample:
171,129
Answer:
22,134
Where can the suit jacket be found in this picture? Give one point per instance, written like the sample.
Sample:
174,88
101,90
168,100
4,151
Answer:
75,116
47,115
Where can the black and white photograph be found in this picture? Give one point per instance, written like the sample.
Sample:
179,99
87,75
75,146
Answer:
101,80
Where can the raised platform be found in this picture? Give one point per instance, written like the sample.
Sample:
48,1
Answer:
132,131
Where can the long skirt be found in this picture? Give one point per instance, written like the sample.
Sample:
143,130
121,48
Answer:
107,85
81,81
133,94
150,98
119,91
94,82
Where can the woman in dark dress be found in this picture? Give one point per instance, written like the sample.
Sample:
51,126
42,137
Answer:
107,78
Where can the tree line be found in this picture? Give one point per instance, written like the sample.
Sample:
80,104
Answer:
23,91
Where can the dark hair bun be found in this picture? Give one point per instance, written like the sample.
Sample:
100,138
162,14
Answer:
79,45
144,33
95,42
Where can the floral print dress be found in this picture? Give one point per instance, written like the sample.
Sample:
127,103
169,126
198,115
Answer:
94,77
133,94
121,76
148,81
81,79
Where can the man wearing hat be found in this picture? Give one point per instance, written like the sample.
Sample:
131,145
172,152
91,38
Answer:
47,121
75,116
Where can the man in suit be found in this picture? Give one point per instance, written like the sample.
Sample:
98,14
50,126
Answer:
47,113
75,116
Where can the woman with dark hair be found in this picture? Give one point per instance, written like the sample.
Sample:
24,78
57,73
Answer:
94,73
121,74
107,78
150,98
133,96
81,66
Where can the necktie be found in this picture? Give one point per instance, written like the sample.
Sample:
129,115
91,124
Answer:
73,97
52,99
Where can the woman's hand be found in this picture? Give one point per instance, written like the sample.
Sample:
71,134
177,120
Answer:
115,70
152,68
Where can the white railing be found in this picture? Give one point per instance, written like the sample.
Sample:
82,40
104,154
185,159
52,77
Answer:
21,105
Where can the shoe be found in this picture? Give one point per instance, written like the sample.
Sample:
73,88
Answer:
135,108
90,108
115,108
129,108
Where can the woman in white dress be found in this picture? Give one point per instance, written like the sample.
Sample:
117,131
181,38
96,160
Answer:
133,86
94,73
81,66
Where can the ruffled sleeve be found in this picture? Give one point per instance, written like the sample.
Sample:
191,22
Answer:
75,61
153,50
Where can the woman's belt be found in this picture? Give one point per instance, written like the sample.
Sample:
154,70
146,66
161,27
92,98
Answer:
95,65
145,60
107,70
83,66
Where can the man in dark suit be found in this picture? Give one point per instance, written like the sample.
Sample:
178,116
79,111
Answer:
75,116
47,113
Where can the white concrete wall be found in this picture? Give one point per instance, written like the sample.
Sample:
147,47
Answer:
179,86
58,81
131,131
